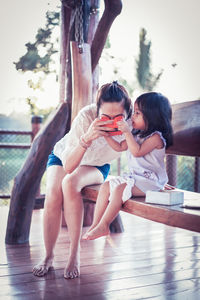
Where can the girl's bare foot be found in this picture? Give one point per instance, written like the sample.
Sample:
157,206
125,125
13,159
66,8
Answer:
72,269
98,231
84,237
43,267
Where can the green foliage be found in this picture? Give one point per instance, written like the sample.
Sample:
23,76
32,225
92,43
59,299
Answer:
32,60
145,78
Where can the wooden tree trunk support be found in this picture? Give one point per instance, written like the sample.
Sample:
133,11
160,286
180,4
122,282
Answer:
27,181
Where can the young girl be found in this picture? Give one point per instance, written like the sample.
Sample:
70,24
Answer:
146,144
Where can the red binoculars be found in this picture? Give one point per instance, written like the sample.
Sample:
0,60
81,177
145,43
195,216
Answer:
113,125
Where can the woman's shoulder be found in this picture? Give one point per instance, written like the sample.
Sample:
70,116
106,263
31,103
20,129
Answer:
89,110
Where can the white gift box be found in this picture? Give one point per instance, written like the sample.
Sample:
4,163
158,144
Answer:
165,197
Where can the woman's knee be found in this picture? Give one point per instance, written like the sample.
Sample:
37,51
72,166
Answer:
54,197
71,183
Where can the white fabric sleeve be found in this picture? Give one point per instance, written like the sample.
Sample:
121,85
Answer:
79,126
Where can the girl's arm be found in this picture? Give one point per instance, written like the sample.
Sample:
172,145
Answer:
153,142
136,149
119,147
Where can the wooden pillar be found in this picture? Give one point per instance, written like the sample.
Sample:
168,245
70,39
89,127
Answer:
197,175
36,122
171,167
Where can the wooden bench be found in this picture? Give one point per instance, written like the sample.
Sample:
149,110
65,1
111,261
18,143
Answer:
174,215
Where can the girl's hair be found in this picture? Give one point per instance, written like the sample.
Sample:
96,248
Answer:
114,92
157,114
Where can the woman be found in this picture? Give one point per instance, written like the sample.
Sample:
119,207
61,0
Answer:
79,159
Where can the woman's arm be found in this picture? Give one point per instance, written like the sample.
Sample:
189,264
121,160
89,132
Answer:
119,147
72,158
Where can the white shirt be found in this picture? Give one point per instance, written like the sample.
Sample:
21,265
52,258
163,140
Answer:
99,153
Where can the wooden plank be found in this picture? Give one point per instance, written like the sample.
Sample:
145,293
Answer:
15,146
148,260
17,132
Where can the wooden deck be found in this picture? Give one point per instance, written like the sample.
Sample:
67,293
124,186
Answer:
148,261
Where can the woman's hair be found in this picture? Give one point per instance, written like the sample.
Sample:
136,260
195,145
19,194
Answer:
157,114
114,92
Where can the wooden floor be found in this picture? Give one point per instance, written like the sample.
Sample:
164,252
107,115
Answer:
148,261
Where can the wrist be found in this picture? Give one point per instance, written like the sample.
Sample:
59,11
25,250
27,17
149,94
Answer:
86,139
84,143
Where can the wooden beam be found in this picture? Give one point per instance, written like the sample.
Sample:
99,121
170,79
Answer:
65,16
186,127
112,10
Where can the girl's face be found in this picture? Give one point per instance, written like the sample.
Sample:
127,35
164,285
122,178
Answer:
111,109
137,119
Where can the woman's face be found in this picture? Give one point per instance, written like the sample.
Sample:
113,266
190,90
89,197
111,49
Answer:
111,110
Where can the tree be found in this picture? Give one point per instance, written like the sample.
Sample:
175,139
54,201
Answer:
27,181
146,79
44,43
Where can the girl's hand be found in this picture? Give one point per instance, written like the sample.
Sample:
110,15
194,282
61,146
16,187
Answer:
123,126
96,130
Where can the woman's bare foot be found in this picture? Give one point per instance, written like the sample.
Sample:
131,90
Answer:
98,231
72,269
43,267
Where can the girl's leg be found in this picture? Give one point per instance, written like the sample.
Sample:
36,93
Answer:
52,217
110,213
100,207
73,211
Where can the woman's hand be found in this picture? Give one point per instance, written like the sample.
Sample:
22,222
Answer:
97,129
123,126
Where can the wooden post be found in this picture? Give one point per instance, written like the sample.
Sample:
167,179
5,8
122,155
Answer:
197,175
171,167
81,77
36,122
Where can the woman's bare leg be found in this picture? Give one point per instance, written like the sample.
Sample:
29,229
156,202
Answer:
52,217
73,211
111,211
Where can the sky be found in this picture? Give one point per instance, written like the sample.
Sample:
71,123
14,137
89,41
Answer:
172,27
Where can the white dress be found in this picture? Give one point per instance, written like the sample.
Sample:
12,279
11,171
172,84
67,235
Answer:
146,172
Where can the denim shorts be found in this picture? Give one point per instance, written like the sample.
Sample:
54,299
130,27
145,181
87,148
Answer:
54,160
